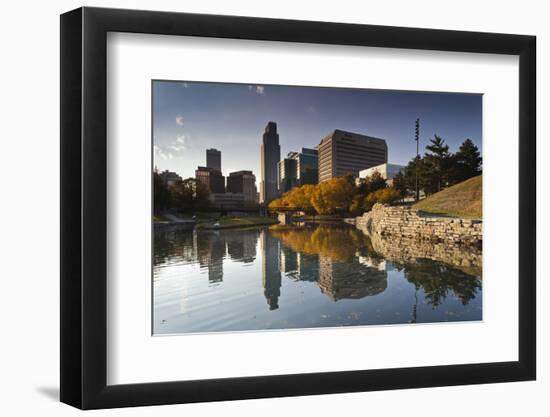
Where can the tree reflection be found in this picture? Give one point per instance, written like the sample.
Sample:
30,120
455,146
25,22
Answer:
341,260
170,243
332,241
344,269
439,280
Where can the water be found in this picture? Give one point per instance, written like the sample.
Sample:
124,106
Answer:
303,276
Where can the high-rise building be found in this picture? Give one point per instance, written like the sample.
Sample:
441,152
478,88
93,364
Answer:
270,156
342,153
214,159
287,175
243,182
211,178
307,165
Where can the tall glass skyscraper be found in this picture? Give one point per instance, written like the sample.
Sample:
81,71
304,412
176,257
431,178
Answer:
214,159
270,156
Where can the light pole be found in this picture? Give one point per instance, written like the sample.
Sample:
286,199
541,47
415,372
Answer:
416,138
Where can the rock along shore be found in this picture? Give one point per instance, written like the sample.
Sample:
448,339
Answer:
406,222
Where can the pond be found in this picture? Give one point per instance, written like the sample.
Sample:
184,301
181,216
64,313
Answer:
307,276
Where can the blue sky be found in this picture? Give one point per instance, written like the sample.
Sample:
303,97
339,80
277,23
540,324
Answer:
189,117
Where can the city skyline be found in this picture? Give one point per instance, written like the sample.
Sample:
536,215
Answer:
191,117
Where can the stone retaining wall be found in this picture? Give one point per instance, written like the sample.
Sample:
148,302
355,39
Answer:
406,222
466,258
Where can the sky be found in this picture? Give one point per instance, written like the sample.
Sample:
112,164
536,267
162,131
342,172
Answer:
190,117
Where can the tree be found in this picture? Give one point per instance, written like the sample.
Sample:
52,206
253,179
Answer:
372,183
357,204
400,184
277,204
436,168
162,197
299,198
467,161
190,194
333,195
383,196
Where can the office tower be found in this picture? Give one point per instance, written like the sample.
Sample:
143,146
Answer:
307,165
298,168
287,176
342,153
270,156
211,178
243,182
214,159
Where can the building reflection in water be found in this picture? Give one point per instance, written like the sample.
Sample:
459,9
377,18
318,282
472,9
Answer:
241,244
207,248
211,250
271,275
342,261
340,280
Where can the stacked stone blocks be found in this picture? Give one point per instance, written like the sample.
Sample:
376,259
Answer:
407,222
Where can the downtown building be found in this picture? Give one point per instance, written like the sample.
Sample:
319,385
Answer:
243,182
214,159
298,168
386,171
342,153
211,178
287,176
270,155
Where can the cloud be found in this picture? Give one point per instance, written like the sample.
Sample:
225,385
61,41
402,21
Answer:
159,152
173,149
179,120
184,85
258,89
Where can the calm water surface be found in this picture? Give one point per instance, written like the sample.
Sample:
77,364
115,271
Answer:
301,276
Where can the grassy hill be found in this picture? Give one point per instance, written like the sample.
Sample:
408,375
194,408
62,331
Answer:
460,200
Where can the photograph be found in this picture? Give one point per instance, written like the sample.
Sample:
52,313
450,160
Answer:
282,207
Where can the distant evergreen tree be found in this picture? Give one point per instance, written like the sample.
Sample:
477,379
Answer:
467,161
400,183
437,167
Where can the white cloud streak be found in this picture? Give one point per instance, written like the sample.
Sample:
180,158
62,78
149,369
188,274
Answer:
174,149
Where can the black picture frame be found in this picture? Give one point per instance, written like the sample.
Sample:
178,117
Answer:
84,207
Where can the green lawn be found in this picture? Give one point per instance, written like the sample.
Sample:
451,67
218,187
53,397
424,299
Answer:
231,222
461,200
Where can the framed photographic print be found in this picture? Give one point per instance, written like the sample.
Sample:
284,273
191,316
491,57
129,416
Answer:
257,208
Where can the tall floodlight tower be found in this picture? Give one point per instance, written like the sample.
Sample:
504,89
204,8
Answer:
417,139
